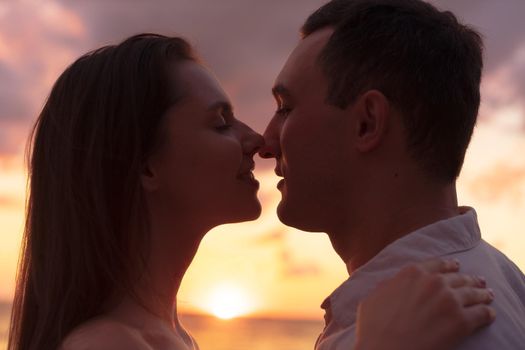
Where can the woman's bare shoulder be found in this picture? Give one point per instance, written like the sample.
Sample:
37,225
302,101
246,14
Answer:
102,334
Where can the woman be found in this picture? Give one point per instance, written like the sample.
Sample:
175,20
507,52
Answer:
135,156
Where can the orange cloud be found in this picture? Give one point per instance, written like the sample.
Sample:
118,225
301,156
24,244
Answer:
502,182
10,202
291,268
271,237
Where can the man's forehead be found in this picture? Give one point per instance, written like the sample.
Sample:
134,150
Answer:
303,58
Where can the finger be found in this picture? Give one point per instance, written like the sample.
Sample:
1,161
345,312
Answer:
469,296
478,316
457,280
440,265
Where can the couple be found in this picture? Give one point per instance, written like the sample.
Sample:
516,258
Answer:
137,154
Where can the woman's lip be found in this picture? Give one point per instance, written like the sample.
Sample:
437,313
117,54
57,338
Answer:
247,168
280,184
246,176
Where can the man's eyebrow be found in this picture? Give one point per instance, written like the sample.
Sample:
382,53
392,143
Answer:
221,105
280,90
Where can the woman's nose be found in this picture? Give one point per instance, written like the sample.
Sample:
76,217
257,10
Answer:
252,142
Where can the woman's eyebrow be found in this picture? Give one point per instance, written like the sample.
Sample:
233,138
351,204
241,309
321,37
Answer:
221,105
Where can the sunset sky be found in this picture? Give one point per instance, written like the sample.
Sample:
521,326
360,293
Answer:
271,269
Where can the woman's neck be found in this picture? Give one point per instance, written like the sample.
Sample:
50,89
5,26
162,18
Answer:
172,250
173,243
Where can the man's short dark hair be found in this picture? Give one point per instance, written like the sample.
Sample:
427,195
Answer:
423,60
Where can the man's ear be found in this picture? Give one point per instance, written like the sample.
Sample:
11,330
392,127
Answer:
372,118
149,177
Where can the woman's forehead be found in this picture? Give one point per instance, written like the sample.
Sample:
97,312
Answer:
199,84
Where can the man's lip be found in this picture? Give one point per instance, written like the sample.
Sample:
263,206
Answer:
278,171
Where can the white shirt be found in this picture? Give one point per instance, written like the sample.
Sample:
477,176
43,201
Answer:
458,237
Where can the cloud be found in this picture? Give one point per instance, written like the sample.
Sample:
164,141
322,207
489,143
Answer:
244,42
13,101
274,237
502,26
289,265
503,93
501,182
292,268
10,202
9,144
37,41
500,22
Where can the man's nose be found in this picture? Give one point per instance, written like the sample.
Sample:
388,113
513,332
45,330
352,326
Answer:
271,147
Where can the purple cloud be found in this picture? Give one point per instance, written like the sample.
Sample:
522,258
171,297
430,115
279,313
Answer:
244,42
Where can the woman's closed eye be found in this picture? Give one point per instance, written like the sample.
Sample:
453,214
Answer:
283,111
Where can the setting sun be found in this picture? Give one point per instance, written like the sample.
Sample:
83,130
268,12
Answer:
228,301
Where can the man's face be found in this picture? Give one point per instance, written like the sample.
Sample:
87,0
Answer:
310,140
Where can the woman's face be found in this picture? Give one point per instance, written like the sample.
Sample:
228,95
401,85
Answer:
203,169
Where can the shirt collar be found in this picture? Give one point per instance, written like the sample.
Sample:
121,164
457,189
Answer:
444,237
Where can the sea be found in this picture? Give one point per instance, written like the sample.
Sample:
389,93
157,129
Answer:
236,334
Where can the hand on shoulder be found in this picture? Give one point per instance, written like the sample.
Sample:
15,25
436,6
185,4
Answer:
428,305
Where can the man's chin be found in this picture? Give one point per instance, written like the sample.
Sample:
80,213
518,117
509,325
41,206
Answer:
294,217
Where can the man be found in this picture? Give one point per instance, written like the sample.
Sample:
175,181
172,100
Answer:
376,108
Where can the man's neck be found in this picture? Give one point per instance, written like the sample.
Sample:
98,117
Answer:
385,221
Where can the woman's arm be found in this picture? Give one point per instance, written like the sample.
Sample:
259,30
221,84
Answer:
425,306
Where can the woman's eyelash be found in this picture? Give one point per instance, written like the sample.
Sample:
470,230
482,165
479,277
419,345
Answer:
283,111
223,127
224,124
